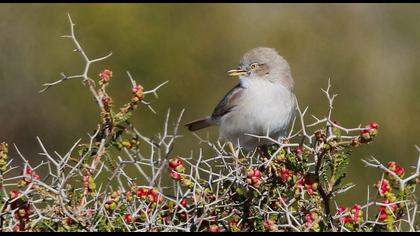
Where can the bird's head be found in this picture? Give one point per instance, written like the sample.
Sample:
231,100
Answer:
264,63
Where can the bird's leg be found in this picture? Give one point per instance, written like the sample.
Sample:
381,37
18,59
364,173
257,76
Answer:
264,150
232,149
265,154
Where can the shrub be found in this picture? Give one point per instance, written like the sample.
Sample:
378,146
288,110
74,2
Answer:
121,180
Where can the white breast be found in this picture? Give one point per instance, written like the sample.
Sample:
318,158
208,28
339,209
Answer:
264,106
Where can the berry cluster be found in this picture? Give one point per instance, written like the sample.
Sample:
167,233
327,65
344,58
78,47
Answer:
3,156
254,178
270,226
384,187
214,228
149,195
28,176
367,134
112,201
308,185
138,93
176,169
105,76
311,221
107,101
22,210
88,182
350,217
388,211
392,166
285,174
128,218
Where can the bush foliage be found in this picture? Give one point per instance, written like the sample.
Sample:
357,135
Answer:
121,180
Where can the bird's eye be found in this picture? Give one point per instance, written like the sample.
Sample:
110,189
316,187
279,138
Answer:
253,66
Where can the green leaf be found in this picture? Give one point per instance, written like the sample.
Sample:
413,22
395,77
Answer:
258,224
339,164
336,132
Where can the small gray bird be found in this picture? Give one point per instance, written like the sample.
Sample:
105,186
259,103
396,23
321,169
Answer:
262,103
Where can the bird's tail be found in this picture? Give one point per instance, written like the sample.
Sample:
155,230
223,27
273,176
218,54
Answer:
199,124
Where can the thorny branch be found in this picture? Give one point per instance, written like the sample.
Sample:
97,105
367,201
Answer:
122,180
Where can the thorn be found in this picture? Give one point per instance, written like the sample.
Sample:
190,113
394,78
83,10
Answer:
44,89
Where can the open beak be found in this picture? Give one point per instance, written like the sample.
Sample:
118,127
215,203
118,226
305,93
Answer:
236,72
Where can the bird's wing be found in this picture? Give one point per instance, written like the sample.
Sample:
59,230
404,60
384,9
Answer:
228,102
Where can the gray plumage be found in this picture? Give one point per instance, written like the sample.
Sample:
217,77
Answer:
263,102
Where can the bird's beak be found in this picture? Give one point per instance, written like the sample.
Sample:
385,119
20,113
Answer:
233,73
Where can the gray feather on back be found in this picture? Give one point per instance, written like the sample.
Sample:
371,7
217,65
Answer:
227,103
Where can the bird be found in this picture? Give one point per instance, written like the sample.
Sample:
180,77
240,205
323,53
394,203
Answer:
261,104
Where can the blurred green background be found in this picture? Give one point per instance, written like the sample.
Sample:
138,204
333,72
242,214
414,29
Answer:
370,52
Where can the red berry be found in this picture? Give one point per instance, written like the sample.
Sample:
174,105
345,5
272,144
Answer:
340,210
356,212
299,151
254,178
365,134
174,163
383,187
399,171
214,228
392,206
153,195
68,220
184,202
308,218
19,227
36,177
28,171
136,89
166,220
356,207
382,216
128,218
285,174
175,175
106,100
89,211
105,75
267,225
374,125
14,194
254,173
391,165
142,192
